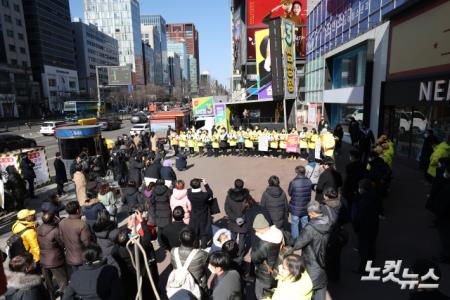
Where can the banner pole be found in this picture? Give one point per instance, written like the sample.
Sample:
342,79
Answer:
284,113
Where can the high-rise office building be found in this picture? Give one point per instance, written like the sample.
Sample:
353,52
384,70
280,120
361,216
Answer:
121,20
149,63
180,49
188,34
160,25
193,75
150,36
49,33
93,48
174,70
19,96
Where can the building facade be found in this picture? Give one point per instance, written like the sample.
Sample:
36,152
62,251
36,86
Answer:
160,25
49,34
175,72
150,36
121,20
180,49
19,95
149,63
347,44
193,75
93,48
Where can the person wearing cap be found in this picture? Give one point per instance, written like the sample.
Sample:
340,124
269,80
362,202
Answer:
313,240
26,227
265,250
330,177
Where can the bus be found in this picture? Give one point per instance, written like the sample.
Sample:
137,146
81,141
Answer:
75,110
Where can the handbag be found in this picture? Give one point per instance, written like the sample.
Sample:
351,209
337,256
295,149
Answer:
214,208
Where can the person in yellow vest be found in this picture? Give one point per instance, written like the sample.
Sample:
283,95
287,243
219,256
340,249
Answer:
241,140
255,139
440,151
303,143
174,141
208,143
215,142
282,139
273,142
313,137
248,141
182,141
232,140
223,141
327,142
200,139
385,148
190,141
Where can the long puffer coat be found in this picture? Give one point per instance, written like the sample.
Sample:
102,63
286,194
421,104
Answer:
275,201
50,246
234,209
161,205
300,192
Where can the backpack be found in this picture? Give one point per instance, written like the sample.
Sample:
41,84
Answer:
181,279
14,244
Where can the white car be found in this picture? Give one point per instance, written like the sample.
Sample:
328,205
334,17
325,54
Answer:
49,127
138,128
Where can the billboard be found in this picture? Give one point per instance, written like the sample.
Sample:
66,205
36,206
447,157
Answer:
220,113
119,75
263,62
260,12
203,107
288,53
237,38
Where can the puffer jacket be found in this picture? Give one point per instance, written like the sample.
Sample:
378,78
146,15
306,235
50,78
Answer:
275,201
154,170
300,192
198,265
90,211
265,250
134,173
179,198
106,237
161,205
23,286
440,151
75,235
50,245
17,187
234,209
286,287
29,237
132,197
312,240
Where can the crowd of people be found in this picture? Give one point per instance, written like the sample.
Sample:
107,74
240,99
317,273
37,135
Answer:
255,252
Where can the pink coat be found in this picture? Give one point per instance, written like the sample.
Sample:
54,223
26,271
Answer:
179,198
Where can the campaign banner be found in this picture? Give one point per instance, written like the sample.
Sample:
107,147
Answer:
36,155
292,143
263,61
203,107
263,142
220,113
288,53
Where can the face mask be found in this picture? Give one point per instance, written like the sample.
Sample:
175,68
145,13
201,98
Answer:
212,269
282,271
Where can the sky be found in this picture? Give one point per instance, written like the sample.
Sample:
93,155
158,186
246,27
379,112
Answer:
212,20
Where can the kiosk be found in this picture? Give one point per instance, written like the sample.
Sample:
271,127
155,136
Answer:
72,140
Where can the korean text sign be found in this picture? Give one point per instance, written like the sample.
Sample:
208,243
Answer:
203,107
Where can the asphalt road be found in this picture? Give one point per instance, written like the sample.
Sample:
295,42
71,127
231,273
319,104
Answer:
50,143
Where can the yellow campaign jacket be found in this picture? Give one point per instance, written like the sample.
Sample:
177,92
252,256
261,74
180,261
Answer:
289,289
174,140
303,140
440,151
312,141
29,237
328,142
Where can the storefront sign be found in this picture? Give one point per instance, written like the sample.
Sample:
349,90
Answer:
437,90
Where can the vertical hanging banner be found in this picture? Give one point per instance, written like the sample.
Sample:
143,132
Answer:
288,52
220,114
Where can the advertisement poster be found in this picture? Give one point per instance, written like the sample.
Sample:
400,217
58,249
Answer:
36,155
288,51
259,13
202,107
292,143
263,61
237,36
263,142
312,114
220,114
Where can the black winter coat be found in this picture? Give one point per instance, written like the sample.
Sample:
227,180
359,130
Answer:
119,167
154,170
98,281
167,173
275,201
300,192
91,211
17,187
354,173
181,162
200,219
161,205
329,178
234,209
365,214
60,170
170,235
132,197
134,171
23,286
50,246
313,240
27,168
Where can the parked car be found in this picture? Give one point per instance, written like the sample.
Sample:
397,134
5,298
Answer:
10,142
110,123
49,127
138,118
138,128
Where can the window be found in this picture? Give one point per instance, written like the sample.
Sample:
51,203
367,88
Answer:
22,50
10,33
14,62
5,3
72,84
12,48
24,64
16,7
52,82
8,19
19,22
20,36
